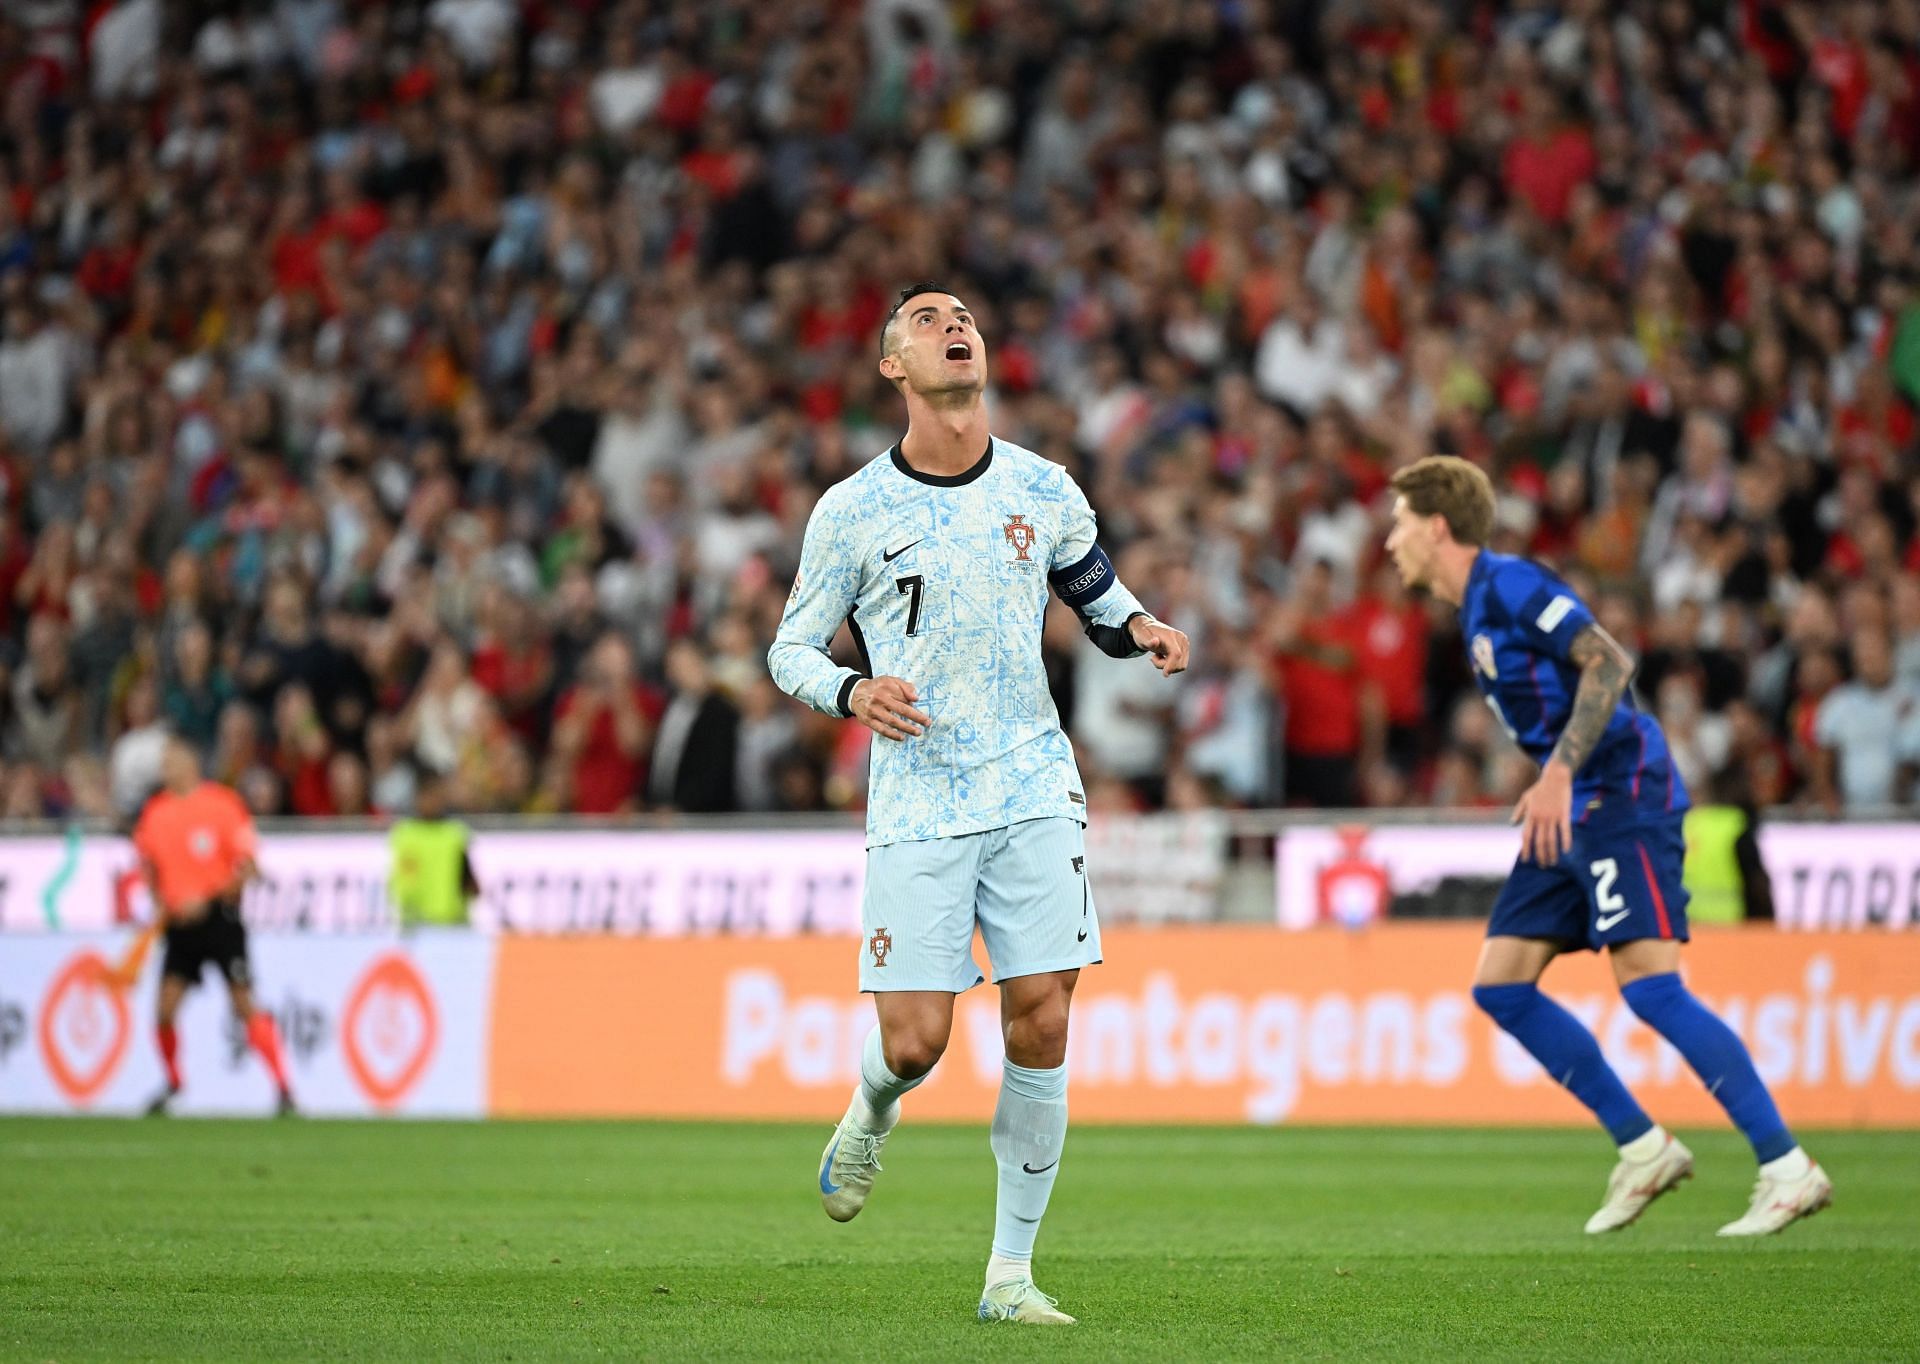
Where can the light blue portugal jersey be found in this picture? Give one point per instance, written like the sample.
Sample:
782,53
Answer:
944,582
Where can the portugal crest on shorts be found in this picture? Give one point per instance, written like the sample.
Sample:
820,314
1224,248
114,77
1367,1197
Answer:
1020,535
1483,656
880,944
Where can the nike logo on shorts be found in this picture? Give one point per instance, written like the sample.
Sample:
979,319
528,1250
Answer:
1606,921
889,555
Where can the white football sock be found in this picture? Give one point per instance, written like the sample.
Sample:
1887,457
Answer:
880,1089
1795,1164
1029,1132
1006,1269
1646,1146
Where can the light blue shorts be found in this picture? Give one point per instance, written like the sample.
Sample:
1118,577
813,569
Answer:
1025,886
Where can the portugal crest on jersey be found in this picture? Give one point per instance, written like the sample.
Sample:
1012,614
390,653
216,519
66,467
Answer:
1483,656
1020,535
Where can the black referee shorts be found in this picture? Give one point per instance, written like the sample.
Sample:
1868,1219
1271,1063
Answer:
219,938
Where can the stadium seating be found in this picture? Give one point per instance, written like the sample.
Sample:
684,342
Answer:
384,388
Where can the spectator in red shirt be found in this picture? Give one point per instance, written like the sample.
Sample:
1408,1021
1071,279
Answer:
350,215
106,271
602,729
1548,160
15,557
45,585
1319,674
302,751
511,661
1391,629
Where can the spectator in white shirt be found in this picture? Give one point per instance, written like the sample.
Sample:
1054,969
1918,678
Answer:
1302,356
133,766
1906,629
125,50
1868,731
478,29
628,89
33,378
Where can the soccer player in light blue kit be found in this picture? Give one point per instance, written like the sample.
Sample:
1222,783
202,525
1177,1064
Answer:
1600,851
939,555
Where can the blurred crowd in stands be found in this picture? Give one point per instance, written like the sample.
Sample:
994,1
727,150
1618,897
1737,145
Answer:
402,393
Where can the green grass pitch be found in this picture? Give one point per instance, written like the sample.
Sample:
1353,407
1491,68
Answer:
521,1241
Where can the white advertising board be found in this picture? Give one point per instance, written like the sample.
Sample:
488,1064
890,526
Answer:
1843,875
1157,868
665,884
1832,876
368,1025
648,883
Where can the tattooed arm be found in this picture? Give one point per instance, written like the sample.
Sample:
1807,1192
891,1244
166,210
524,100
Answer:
1545,812
1605,670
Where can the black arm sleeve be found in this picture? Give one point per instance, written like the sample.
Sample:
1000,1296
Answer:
1115,641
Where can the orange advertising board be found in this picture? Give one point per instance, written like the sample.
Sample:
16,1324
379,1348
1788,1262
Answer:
1205,1023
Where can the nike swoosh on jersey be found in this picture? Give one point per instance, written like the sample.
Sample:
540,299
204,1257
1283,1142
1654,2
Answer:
889,555
1607,921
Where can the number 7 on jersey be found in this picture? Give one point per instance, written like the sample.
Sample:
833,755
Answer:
912,586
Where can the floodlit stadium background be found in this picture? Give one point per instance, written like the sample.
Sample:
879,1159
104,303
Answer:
372,375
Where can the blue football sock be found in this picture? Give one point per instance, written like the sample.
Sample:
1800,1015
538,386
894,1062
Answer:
1029,1132
1561,1043
1717,1056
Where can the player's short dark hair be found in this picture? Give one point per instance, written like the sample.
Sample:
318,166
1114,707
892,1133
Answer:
1449,487
925,286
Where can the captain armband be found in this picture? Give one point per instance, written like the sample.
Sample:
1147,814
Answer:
1082,584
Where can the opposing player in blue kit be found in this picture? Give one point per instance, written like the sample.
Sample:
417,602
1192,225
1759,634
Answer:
939,555
1600,851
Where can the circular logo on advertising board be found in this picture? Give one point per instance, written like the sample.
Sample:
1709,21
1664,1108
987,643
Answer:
389,1029
83,1028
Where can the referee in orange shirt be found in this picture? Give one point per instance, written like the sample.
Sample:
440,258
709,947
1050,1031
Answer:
196,842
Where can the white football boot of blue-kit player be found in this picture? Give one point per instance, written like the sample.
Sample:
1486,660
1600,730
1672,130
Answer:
1782,1197
1636,1183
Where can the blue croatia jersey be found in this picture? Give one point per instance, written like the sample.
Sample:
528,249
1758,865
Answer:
1519,620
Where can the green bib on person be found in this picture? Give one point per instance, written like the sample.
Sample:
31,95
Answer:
425,883
1713,878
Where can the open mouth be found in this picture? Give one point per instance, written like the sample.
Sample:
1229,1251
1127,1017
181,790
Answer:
959,350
